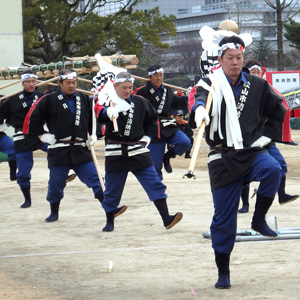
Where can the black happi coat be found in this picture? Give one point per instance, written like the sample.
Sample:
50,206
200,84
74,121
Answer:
172,102
263,115
123,151
14,110
70,132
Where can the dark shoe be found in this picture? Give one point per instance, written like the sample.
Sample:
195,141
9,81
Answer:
162,207
259,223
54,212
120,210
222,262
109,222
174,220
12,170
170,154
244,209
26,204
26,194
187,155
71,177
286,198
262,227
223,282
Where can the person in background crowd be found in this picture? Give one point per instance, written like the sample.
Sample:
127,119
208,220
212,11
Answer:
255,68
184,127
164,101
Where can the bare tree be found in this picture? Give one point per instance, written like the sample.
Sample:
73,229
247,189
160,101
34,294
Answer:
279,6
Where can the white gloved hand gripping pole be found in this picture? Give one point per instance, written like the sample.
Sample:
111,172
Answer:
190,172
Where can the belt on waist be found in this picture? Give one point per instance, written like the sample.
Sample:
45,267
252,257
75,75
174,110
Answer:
123,142
222,149
69,142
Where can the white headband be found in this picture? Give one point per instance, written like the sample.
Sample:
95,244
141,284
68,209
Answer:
68,76
27,75
161,70
255,67
118,80
224,47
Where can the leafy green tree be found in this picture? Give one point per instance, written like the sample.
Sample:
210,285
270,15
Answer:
293,33
57,28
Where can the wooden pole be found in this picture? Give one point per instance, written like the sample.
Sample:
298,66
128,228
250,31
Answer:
96,164
190,172
10,84
78,90
166,84
39,84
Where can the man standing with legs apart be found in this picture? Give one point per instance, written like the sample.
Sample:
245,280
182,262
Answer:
127,151
246,115
68,115
14,110
164,102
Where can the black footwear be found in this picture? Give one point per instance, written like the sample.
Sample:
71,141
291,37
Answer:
26,193
187,155
175,219
245,199
287,199
259,223
12,170
169,221
244,209
284,198
109,222
71,177
222,262
120,210
54,212
170,154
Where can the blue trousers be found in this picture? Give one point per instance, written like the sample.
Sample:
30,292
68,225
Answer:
181,143
25,164
223,228
115,182
86,172
273,151
7,146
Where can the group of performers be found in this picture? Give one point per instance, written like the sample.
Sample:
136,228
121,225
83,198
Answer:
245,120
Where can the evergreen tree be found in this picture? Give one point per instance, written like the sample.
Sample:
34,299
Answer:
57,28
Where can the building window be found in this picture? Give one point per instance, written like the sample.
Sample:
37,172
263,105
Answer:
182,11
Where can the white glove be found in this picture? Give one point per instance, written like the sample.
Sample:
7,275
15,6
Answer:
112,113
3,127
188,91
145,140
48,138
261,142
92,142
201,115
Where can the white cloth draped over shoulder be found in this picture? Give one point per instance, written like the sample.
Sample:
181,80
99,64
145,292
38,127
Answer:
222,90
